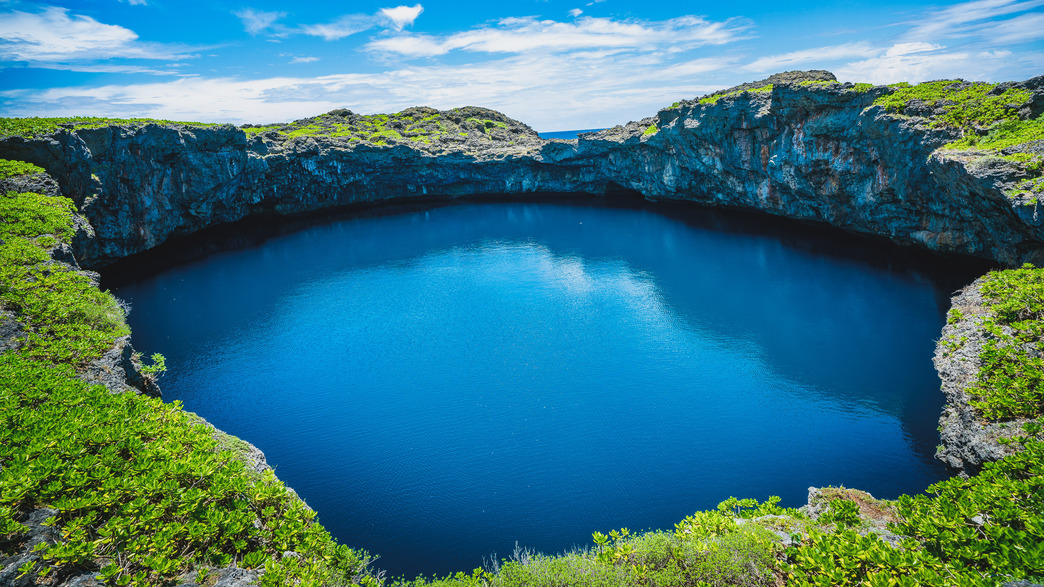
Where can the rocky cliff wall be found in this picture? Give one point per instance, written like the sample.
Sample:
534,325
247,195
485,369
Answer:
818,153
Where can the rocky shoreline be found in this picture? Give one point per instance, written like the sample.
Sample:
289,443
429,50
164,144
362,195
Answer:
821,153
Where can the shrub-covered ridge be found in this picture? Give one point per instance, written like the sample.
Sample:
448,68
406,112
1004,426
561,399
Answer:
136,491
990,121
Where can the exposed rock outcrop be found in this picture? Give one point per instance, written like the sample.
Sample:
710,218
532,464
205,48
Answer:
966,440
818,152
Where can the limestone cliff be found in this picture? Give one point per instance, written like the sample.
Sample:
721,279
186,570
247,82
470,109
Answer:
816,152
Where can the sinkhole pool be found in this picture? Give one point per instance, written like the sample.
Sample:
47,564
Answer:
443,383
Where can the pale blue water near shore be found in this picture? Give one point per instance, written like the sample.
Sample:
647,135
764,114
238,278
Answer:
439,384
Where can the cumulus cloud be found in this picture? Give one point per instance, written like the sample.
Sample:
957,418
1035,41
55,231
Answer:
401,16
519,35
53,35
575,12
257,21
548,91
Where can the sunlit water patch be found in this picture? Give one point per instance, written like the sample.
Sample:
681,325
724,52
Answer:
442,384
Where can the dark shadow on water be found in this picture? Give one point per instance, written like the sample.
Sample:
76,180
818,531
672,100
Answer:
948,272
837,322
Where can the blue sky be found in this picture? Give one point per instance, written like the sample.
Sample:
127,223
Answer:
554,64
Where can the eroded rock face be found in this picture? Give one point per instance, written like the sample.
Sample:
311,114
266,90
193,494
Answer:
966,441
817,152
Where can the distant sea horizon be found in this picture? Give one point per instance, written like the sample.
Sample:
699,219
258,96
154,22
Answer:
566,134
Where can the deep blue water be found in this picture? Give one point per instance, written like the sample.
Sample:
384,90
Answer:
439,384
566,134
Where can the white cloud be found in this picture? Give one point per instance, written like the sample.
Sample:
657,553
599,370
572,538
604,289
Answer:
977,18
910,48
257,21
135,2
1021,29
547,91
575,12
520,35
53,35
918,67
304,60
401,16
344,26
776,63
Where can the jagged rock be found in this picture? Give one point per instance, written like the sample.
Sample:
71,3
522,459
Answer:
11,331
37,183
966,441
120,371
819,152
10,573
226,577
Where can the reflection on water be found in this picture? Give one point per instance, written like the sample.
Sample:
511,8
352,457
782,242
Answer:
441,383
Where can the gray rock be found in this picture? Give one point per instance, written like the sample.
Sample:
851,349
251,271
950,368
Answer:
119,371
966,440
816,153
225,577
10,565
11,331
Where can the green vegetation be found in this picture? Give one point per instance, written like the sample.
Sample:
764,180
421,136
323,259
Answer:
653,129
16,168
984,530
721,547
144,492
1011,379
412,126
818,83
713,98
34,126
137,485
988,120
67,319
964,106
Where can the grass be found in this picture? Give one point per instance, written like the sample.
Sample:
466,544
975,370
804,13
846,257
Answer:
1011,379
413,126
713,99
986,120
16,168
143,491
35,126
964,106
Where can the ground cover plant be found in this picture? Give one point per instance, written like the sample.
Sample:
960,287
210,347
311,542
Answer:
418,126
36,126
143,493
139,490
990,119
1011,379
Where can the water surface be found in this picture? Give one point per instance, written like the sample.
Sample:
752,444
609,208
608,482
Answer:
439,384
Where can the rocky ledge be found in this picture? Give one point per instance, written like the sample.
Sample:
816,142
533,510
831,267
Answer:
798,145
967,440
